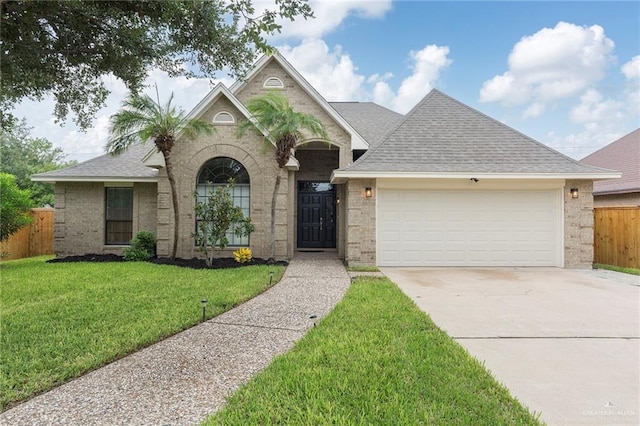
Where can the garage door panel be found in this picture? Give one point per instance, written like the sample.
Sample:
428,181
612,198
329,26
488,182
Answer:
464,228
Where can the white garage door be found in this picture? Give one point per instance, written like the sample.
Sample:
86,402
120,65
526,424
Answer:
468,228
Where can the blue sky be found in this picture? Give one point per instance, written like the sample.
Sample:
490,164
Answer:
565,73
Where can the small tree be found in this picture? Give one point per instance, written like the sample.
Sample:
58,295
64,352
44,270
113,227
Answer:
216,216
14,206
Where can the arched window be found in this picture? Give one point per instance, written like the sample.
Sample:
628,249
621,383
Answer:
224,117
217,172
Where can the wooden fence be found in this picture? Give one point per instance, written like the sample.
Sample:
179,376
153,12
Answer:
34,239
616,233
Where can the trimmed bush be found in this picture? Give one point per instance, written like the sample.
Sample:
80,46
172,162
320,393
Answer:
141,247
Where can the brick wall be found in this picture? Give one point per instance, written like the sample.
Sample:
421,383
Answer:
80,218
578,225
617,200
360,223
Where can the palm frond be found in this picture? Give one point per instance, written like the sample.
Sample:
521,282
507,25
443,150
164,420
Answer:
142,119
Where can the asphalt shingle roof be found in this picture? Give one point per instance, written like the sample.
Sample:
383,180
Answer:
622,155
372,121
443,135
126,165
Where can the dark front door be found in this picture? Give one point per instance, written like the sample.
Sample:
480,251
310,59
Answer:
316,215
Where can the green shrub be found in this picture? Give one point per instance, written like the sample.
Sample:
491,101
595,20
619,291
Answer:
141,247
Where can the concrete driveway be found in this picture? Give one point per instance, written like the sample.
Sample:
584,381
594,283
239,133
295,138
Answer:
565,343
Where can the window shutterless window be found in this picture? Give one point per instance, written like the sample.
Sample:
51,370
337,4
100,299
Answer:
217,172
118,215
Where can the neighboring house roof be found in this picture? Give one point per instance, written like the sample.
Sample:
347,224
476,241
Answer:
357,141
623,155
371,120
442,137
126,167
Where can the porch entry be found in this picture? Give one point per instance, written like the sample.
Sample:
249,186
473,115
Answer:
316,215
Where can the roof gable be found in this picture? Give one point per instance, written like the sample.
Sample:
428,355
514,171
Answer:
357,141
442,135
622,155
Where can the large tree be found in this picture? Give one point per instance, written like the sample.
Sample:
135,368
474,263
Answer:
285,128
23,156
65,48
142,119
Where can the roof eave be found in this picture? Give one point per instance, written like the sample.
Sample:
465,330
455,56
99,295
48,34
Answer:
339,176
55,179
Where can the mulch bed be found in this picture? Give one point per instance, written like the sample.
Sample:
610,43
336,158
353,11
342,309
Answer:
193,263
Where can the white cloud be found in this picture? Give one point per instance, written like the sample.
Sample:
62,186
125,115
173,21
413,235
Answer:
594,109
330,72
333,74
329,15
427,65
631,69
81,146
552,64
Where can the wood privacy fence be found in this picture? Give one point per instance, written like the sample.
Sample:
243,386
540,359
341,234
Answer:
34,239
616,232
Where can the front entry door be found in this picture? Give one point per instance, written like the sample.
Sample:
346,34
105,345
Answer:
316,215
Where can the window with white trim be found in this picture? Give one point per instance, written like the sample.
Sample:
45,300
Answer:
273,83
224,117
217,172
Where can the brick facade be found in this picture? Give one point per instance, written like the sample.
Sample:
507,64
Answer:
631,199
80,211
316,163
80,216
578,225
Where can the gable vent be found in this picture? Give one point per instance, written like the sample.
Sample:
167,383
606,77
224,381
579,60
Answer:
273,83
224,117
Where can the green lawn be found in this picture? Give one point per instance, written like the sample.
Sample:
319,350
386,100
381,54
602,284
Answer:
60,320
375,360
632,271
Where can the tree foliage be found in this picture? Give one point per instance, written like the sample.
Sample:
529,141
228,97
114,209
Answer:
285,128
217,215
65,47
142,119
23,156
14,206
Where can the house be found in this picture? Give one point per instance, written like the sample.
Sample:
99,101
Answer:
622,155
444,185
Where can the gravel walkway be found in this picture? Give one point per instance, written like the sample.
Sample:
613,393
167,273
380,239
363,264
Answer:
185,378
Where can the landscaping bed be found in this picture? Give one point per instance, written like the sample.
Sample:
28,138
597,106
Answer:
193,263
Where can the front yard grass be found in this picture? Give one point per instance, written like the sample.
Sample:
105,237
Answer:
376,359
61,320
632,271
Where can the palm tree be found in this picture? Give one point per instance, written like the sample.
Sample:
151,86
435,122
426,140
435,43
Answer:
142,119
284,127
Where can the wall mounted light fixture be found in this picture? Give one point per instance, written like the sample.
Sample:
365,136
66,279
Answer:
575,193
368,192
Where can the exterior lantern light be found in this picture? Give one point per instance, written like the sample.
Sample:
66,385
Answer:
575,193
204,309
368,192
